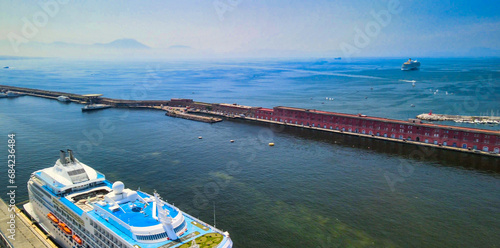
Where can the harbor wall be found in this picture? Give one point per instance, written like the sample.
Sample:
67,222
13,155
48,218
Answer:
413,130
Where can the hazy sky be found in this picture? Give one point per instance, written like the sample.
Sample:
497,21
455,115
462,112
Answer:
422,27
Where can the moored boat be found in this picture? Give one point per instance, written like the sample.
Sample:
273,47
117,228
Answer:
63,99
91,107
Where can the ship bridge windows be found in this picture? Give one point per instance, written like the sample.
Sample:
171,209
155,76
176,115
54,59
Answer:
180,227
152,237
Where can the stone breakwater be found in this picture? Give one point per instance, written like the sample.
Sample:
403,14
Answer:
461,118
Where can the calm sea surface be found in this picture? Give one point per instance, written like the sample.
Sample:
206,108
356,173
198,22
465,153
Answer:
311,189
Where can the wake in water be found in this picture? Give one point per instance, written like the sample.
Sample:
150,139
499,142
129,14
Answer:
408,81
306,71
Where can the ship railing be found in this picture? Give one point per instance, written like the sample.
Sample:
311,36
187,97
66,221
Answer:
200,221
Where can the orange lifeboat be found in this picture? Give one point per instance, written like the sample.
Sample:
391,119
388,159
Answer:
77,239
53,218
65,228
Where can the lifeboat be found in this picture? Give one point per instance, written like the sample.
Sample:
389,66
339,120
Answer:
65,228
77,239
53,218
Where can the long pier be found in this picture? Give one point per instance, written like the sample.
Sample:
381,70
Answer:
412,131
22,231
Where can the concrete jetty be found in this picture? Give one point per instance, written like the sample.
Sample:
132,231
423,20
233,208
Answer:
181,113
27,234
460,118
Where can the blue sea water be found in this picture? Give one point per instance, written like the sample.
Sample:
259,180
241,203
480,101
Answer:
311,189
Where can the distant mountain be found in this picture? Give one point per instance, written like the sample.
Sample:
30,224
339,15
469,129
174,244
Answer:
122,44
179,47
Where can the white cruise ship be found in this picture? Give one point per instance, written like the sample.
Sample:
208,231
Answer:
78,207
410,65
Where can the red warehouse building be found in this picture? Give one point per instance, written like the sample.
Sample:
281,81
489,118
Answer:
412,130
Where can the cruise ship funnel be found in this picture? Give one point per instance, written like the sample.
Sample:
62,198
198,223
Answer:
63,157
71,157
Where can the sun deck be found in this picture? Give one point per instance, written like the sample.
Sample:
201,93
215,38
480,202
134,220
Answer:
134,214
137,213
195,229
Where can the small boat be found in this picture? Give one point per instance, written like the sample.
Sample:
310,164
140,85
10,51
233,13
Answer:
10,94
410,65
63,99
6,67
91,107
